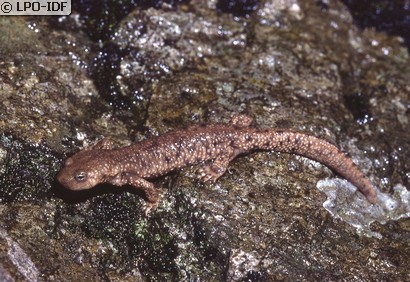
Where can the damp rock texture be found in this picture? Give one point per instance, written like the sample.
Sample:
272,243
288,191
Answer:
131,71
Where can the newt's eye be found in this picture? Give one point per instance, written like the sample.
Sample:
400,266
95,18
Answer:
80,176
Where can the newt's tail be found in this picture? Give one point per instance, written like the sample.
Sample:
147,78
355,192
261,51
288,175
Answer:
321,151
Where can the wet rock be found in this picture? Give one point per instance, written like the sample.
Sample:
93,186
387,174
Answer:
289,64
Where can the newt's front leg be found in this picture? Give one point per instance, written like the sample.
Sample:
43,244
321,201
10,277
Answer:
152,195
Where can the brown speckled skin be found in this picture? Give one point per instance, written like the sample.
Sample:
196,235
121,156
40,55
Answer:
218,143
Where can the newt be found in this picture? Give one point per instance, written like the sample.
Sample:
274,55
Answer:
213,146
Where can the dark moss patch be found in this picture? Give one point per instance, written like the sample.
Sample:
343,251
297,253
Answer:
26,170
100,25
239,8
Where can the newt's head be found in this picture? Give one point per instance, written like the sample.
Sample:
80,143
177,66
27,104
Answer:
84,170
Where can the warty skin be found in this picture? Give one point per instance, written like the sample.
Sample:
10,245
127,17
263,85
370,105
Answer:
214,144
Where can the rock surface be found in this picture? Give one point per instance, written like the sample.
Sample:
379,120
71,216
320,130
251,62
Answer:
290,64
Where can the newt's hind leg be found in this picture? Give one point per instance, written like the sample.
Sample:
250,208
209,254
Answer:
104,144
217,168
241,120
